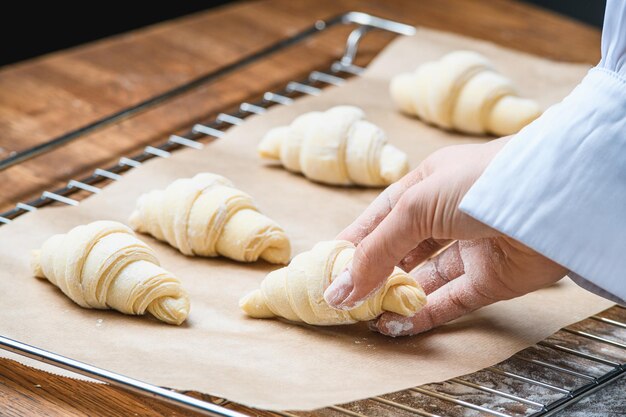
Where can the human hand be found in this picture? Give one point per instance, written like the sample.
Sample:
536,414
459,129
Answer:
415,218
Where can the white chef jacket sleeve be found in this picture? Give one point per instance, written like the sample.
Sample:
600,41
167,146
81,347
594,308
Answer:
559,186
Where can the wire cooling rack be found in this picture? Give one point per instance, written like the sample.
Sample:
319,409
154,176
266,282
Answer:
569,366
312,85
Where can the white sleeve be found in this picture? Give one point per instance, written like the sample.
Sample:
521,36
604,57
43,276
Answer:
559,186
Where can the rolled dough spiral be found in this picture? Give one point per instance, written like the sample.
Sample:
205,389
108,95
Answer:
296,292
207,216
336,147
463,91
103,265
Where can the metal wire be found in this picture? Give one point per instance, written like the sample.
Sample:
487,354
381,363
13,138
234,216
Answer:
609,321
498,393
596,338
346,411
403,407
579,354
557,368
527,380
456,401
116,379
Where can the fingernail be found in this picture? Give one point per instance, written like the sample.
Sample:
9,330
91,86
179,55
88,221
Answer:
339,290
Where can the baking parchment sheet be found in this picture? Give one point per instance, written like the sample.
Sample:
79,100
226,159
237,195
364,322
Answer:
270,363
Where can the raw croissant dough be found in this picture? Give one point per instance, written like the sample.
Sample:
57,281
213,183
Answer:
463,91
206,216
296,291
336,147
103,265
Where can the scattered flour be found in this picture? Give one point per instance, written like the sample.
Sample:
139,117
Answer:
398,328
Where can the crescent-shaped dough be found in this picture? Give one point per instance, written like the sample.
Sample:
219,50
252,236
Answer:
462,91
103,265
207,216
336,147
296,292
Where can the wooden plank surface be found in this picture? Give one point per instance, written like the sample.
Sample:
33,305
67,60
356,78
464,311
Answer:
49,95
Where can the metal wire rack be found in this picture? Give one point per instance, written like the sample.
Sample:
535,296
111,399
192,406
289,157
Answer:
312,85
540,381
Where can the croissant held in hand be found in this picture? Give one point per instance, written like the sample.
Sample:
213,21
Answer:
103,265
296,292
336,147
463,91
206,216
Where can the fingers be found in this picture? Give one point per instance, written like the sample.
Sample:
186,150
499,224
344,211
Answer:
440,270
421,252
381,250
379,208
451,301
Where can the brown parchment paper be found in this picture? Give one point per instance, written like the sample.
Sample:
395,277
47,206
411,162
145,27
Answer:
270,363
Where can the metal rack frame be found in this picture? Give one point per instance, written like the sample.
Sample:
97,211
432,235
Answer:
341,69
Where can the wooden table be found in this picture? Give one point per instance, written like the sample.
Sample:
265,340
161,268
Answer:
49,95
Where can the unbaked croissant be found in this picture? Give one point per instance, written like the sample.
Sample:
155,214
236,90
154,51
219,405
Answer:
206,216
103,265
336,147
463,91
296,292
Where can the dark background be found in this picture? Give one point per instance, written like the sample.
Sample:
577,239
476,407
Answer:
34,28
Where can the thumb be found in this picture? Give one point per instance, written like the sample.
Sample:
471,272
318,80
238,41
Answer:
377,254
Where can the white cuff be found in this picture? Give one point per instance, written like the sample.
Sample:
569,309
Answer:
559,186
